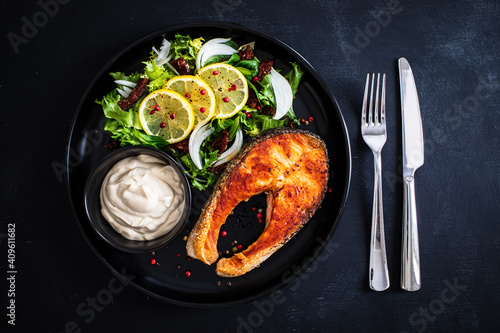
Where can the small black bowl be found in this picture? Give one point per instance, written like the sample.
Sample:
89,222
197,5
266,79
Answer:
93,202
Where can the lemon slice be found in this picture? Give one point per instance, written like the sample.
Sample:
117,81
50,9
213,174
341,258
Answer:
198,93
230,88
166,114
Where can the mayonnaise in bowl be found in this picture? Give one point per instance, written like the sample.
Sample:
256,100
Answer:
142,197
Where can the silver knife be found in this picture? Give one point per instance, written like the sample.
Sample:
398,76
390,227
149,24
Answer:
413,158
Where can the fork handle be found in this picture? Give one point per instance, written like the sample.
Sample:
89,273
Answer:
379,273
410,261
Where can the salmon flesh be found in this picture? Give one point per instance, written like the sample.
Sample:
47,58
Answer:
291,167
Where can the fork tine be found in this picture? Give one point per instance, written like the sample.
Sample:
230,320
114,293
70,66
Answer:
365,101
370,111
382,105
375,118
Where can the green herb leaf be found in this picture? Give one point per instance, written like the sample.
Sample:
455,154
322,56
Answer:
251,65
216,59
234,59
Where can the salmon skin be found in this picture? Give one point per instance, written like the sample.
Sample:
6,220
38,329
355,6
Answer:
291,167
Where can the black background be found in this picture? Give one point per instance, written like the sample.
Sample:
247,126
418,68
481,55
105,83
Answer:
453,48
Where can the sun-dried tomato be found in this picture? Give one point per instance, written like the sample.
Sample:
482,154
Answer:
181,66
246,54
265,68
220,143
252,99
181,145
134,95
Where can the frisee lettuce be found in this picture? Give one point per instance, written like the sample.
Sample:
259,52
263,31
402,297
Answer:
158,75
187,48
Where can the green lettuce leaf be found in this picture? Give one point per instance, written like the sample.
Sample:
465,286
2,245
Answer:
112,110
265,95
201,179
257,123
132,136
294,77
125,126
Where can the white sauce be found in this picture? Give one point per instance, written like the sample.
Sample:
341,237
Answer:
142,197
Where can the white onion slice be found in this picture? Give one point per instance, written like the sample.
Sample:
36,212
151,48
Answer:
122,93
169,65
163,54
229,154
213,47
282,92
199,134
126,83
127,90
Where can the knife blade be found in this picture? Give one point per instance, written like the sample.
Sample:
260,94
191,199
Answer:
413,158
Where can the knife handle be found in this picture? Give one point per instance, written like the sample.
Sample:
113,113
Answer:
410,263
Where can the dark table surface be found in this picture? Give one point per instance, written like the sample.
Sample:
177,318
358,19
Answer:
453,47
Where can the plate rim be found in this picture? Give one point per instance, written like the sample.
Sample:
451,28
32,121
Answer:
317,77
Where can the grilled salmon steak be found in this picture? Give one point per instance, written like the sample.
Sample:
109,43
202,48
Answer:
291,167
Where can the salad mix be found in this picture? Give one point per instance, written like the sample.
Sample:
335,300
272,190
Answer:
213,142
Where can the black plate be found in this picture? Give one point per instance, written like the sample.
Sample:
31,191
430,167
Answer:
167,280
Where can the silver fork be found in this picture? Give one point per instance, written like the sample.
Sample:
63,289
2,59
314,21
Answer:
374,132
